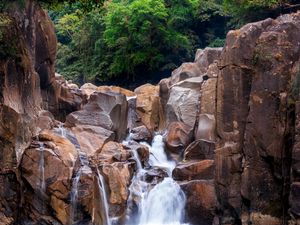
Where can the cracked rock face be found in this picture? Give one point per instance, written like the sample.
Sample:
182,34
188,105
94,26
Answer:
232,118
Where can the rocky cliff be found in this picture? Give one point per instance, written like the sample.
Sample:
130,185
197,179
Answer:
231,119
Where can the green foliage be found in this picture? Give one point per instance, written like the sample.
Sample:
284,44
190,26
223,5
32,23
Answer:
138,38
245,11
124,38
8,42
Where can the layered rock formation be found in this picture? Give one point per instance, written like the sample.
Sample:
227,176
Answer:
231,119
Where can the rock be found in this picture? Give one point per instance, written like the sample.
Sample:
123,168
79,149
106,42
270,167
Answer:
92,138
253,121
204,58
141,133
64,99
118,176
133,118
88,89
148,106
113,152
206,128
200,200
295,199
200,150
194,170
59,156
155,175
260,219
185,71
116,89
178,137
183,102
45,120
142,151
106,110
208,96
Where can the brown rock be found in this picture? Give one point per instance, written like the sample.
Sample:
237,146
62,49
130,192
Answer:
199,150
185,71
200,200
92,138
205,57
194,170
141,133
106,110
183,102
206,128
148,106
112,152
118,176
178,137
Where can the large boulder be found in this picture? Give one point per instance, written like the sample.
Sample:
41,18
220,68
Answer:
206,57
148,106
183,102
254,119
200,200
200,150
92,138
178,136
106,110
27,59
47,167
118,176
194,170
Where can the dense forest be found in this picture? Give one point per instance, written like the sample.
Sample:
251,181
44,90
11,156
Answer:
132,41
126,41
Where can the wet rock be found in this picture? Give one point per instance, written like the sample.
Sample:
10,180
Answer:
194,170
200,150
141,133
112,152
59,156
155,175
142,151
92,138
206,128
178,137
200,200
148,106
106,110
118,176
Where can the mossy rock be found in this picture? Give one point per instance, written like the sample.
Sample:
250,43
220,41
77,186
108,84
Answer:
8,37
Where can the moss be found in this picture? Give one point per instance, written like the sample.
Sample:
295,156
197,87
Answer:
274,209
8,37
296,86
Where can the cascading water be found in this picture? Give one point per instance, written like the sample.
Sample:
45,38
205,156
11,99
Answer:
164,203
103,195
42,183
42,168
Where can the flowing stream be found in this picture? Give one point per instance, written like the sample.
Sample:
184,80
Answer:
162,204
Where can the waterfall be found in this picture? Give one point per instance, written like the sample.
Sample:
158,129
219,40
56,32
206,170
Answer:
74,196
103,195
62,130
162,204
42,183
42,168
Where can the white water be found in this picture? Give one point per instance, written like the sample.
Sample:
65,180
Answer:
162,205
42,168
103,195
